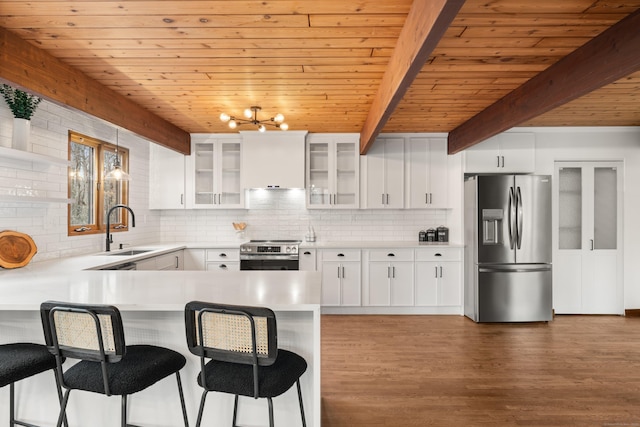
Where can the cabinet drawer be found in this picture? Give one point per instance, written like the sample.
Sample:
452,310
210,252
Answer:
223,254
340,255
439,254
223,266
391,255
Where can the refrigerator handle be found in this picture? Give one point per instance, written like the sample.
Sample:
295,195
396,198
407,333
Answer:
519,217
511,219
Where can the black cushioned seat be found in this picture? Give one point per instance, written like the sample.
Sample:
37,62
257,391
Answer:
242,344
19,361
22,360
94,334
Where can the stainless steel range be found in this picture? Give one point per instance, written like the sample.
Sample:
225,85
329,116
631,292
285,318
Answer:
269,255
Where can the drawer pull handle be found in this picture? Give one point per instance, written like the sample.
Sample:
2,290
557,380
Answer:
391,254
307,253
340,255
223,267
223,255
438,254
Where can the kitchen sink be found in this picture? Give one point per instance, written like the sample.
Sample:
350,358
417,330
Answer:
128,253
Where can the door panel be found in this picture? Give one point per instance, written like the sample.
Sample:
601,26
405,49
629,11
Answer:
533,220
495,209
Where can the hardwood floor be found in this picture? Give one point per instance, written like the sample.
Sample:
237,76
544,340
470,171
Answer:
450,371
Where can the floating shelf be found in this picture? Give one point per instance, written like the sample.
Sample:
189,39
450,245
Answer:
27,156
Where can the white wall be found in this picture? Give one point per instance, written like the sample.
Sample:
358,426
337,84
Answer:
46,223
579,144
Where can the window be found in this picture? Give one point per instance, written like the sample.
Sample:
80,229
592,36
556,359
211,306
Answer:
91,196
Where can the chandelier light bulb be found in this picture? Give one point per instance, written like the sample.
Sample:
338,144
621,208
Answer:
225,117
248,113
279,118
233,124
284,126
262,128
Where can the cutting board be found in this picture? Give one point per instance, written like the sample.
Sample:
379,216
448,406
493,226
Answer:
16,249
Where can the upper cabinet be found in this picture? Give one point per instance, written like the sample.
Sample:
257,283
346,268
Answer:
508,152
427,173
384,172
166,178
273,159
333,174
214,171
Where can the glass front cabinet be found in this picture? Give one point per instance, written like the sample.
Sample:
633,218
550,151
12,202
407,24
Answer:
213,173
333,171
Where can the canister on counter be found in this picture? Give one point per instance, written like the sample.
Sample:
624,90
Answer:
422,236
431,235
442,234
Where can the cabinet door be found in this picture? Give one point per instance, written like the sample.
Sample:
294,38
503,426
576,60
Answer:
450,284
307,260
166,178
331,283
402,283
385,174
346,174
319,183
427,283
587,268
484,157
517,151
351,283
171,261
201,182
428,173
230,191
379,283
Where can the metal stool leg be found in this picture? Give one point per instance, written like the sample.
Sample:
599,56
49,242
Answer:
270,411
182,404
201,410
304,422
63,408
235,411
11,403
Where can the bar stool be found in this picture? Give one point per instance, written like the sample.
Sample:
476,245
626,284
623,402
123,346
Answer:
94,334
23,360
242,344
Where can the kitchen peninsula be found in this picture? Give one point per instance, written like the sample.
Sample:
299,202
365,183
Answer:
152,306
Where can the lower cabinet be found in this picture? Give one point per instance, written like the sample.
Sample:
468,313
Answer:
226,259
390,274
341,277
170,261
438,277
308,260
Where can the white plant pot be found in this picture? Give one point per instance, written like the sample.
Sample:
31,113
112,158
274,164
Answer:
21,133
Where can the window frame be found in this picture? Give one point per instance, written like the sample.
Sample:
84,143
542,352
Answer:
99,147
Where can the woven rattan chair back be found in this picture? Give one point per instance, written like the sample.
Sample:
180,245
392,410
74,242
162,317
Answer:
93,333
229,333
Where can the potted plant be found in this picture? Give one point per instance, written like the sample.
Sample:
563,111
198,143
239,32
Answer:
23,105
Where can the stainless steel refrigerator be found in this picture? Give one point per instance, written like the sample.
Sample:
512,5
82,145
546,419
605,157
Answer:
508,248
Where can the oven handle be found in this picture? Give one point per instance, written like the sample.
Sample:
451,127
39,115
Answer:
269,257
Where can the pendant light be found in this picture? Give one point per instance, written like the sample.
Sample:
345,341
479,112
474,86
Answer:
117,173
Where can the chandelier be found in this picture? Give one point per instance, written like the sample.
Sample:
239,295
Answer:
251,116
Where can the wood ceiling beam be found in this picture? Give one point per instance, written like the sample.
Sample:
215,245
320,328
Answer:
35,70
606,58
426,23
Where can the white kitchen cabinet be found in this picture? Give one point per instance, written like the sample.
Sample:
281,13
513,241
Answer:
438,277
225,259
213,173
384,165
333,171
341,277
507,152
166,178
390,277
588,258
194,259
171,261
427,172
307,259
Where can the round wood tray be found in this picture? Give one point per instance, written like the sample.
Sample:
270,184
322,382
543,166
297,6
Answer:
16,249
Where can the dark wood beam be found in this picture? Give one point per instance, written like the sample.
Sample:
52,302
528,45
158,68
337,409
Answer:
32,69
608,57
425,25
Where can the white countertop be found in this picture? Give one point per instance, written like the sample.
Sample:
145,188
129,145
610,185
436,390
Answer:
164,290
374,244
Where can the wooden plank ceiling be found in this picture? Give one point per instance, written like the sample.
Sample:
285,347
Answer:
320,63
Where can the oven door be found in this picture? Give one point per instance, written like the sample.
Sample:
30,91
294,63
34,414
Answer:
267,263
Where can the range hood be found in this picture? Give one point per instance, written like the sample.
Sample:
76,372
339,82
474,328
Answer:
273,159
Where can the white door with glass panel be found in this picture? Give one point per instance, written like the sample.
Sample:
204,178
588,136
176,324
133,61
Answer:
587,263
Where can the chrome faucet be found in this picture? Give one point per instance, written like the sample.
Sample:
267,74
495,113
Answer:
109,236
